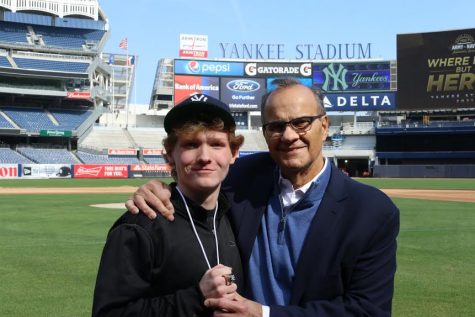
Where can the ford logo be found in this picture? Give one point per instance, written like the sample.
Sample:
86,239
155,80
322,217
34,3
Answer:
243,85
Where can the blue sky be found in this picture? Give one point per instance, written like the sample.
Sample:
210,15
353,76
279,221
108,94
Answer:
153,26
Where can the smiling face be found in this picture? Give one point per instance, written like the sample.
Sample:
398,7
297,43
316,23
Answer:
299,155
201,160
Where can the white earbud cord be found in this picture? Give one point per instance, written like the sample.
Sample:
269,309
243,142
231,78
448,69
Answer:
196,232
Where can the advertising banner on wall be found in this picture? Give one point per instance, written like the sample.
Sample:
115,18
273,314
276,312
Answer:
186,86
193,45
149,151
242,93
78,95
60,133
352,77
208,68
46,171
118,151
8,171
436,70
360,101
101,171
150,170
278,69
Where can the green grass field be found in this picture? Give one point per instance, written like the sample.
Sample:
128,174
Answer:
50,246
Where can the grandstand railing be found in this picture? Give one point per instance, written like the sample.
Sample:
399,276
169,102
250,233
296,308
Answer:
61,8
59,57
420,124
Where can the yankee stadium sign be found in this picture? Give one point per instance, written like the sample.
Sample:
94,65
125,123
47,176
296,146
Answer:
300,51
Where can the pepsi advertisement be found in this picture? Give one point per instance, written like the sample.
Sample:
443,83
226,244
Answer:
208,68
242,93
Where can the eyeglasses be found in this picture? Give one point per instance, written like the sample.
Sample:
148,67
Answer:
299,125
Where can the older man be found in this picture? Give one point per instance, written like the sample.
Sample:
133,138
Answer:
313,241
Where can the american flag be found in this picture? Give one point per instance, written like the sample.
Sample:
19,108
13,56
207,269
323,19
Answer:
123,43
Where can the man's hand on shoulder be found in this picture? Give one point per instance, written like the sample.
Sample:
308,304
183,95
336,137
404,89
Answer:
151,198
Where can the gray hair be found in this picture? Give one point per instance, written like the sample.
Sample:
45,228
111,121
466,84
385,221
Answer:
281,83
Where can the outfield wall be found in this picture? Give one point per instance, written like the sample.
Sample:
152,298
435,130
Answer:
31,171
425,171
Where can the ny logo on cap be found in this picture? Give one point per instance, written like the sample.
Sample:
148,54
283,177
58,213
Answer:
199,97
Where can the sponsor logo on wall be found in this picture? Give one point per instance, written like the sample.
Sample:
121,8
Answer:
346,77
208,68
186,86
8,170
101,171
278,69
242,93
360,102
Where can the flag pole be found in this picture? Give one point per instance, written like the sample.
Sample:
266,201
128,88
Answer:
135,86
127,86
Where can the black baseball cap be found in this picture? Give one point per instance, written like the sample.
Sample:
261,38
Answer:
195,107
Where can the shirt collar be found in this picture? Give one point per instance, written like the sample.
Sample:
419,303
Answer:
289,195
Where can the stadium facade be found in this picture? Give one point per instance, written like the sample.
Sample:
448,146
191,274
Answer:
63,101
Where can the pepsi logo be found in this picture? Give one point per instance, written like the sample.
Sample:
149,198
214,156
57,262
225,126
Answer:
193,67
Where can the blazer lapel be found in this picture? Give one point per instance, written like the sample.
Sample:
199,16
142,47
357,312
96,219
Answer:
252,210
320,230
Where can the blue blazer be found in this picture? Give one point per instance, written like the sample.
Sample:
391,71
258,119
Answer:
348,260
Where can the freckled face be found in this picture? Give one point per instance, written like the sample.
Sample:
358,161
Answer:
202,161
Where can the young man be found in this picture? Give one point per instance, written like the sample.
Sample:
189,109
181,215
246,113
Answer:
161,268
313,241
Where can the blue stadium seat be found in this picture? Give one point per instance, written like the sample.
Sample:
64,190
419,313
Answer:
4,62
31,119
154,159
9,156
70,119
90,158
48,156
13,32
42,64
4,123
67,37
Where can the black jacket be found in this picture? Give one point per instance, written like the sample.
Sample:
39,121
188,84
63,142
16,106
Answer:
153,267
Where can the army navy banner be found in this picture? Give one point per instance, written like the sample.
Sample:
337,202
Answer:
436,70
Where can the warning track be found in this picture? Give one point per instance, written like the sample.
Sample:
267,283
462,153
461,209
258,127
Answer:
428,194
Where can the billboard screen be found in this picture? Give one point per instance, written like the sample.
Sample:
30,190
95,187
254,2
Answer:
186,86
192,45
242,93
352,77
376,101
436,70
